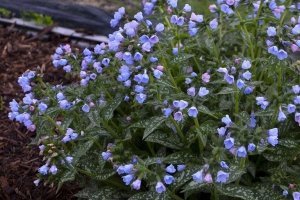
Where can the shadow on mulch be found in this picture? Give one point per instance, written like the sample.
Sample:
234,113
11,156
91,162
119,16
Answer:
19,161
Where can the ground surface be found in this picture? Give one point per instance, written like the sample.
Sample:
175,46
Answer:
19,161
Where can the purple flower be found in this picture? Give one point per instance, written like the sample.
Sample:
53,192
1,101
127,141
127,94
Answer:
182,104
197,18
160,188
222,131
148,6
168,179
241,152
136,184
174,19
187,8
167,111
229,142
208,178
172,3
203,92
222,176
246,64
193,112
213,24
146,47
127,179
281,54
198,176
154,39
188,80
69,159
251,147
157,74
224,165
296,100
271,31
296,29
296,195
191,91
170,169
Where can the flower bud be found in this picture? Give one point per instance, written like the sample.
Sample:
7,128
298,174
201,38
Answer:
160,67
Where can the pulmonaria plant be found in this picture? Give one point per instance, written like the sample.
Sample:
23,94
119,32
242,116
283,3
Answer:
175,108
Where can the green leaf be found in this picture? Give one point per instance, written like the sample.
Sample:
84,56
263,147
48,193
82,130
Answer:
81,150
289,143
66,176
251,168
168,140
279,154
152,124
53,112
179,157
207,128
243,116
182,177
235,172
104,174
66,122
264,191
233,190
152,160
179,58
265,113
151,195
94,117
205,110
227,90
103,193
108,110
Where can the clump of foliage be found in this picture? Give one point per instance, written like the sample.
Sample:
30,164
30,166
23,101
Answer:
187,107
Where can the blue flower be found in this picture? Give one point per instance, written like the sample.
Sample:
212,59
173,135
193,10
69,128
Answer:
296,89
141,97
53,169
172,3
247,75
193,112
271,31
174,19
60,96
157,74
213,24
167,111
153,59
139,16
168,179
296,195
145,78
281,116
246,64
281,54
198,176
251,147
240,84
180,167
241,152
273,50
296,100
226,120
222,131
285,193
191,91
252,123
296,29
148,6
291,108
170,169
136,184
222,176
105,62
273,136
160,27
187,8
127,179
203,92
85,108
160,188
139,88
229,78
229,142
193,31
188,80
224,165
180,21
42,106
182,104
175,51
43,169
106,155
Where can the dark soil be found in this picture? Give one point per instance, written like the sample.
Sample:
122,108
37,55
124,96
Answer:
19,161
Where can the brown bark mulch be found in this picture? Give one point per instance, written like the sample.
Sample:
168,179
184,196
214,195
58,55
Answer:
18,160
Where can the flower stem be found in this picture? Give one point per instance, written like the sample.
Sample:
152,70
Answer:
213,43
115,135
178,130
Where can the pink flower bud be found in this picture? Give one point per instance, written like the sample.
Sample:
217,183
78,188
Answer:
291,185
31,127
294,48
233,150
31,108
277,10
128,118
92,104
237,60
212,7
208,178
293,20
160,67
205,77
169,10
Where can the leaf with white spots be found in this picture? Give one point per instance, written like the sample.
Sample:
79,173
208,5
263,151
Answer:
238,191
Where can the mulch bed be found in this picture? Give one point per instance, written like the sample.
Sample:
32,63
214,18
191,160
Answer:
18,160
